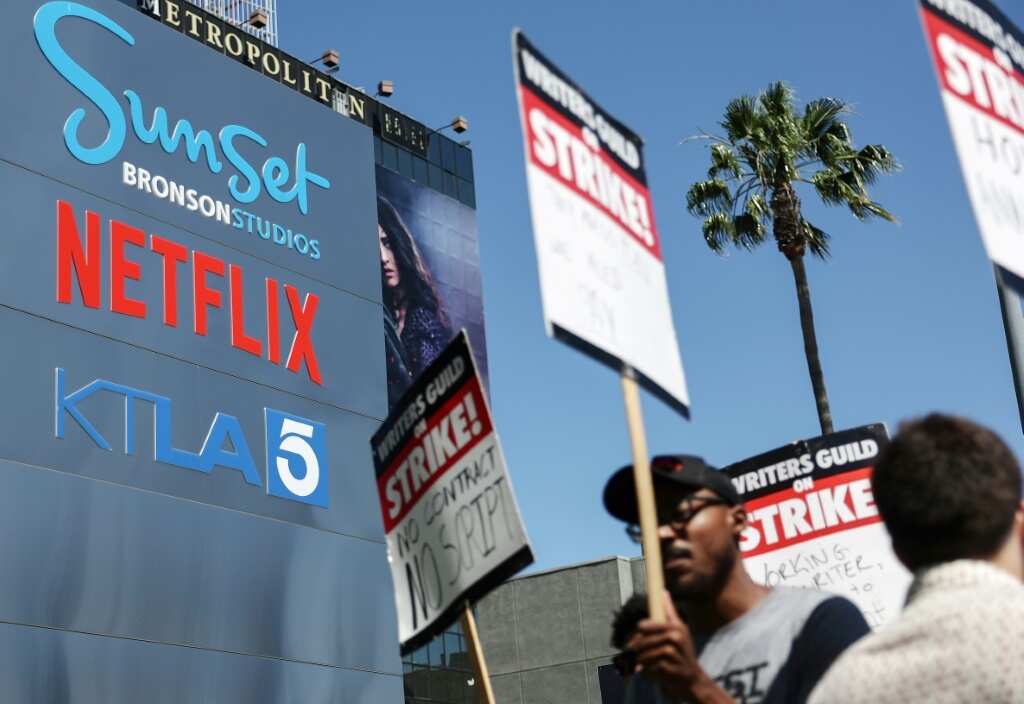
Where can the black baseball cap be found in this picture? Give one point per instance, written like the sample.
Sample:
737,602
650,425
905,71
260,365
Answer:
668,472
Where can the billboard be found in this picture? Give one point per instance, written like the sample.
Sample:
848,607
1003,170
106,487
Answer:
598,250
190,282
430,277
453,527
813,521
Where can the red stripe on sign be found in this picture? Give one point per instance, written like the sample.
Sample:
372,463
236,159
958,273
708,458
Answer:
447,436
573,156
837,503
970,71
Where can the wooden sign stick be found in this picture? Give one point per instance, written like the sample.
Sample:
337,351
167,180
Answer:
644,498
476,652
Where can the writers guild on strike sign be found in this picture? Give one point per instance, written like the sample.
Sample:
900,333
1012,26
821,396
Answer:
602,277
450,517
813,520
978,54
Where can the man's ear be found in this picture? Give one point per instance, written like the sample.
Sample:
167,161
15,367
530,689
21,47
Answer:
738,516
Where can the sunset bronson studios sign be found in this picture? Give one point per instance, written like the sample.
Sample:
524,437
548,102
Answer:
155,198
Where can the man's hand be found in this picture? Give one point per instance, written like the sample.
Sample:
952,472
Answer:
666,656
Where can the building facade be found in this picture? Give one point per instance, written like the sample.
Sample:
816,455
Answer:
190,511
547,635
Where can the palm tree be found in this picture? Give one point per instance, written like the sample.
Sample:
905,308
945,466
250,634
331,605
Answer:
768,150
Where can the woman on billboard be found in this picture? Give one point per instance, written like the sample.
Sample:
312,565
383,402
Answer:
415,321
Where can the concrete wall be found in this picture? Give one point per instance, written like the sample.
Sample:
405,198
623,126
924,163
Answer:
546,634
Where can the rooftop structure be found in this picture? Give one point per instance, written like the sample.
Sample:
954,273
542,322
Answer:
241,13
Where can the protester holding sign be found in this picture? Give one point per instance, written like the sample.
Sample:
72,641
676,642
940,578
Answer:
949,492
741,641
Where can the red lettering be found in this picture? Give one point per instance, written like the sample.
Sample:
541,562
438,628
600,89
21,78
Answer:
203,297
79,260
837,503
302,343
273,327
122,268
172,254
70,255
238,337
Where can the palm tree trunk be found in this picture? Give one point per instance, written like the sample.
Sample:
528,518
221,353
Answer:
803,296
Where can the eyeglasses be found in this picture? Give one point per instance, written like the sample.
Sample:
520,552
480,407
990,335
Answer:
682,515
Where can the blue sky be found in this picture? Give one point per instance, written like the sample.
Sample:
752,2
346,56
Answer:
908,319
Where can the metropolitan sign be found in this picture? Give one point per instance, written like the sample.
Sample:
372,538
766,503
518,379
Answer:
601,275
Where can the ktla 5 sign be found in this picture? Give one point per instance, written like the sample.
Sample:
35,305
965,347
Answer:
295,447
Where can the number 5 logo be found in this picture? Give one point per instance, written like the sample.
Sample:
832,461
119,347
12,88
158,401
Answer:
296,458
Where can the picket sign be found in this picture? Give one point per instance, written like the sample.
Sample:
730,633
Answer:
978,54
451,521
812,520
602,278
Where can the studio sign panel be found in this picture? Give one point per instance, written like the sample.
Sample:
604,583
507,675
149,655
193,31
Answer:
82,246
284,181
90,246
296,459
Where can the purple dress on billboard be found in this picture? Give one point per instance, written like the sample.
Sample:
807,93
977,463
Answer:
424,336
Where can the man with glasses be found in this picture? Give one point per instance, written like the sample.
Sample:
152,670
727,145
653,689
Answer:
725,638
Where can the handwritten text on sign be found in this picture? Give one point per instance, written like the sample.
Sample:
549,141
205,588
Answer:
602,277
813,521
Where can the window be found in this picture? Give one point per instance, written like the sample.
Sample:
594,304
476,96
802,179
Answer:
435,652
434,148
447,154
405,163
419,169
436,178
447,677
390,153
464,163
466,194
447,168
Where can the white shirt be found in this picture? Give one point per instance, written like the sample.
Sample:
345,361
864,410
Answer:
960,638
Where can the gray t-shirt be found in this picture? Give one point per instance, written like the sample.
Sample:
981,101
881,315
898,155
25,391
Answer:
776,652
